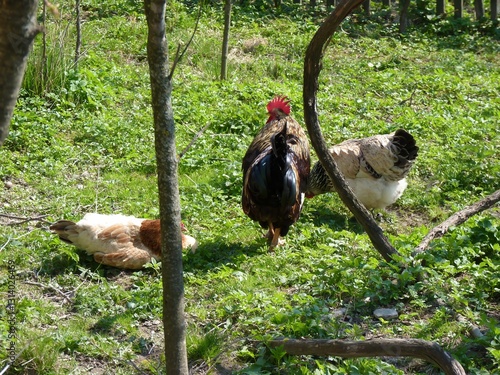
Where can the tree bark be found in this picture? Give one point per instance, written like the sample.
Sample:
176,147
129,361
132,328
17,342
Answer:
422,349
312,68
403,15
173,287
18,28
78,33
225,39
457,219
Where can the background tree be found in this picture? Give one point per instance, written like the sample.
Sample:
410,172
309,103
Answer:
166,158
18,28
225,40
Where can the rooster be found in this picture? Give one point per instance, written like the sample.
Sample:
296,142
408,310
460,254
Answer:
117,240
275,170
375,168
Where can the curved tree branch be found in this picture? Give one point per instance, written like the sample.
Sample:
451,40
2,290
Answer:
422,349
312,68
457,219
18,28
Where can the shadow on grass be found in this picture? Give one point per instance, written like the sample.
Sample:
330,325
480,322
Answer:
219,251
322,213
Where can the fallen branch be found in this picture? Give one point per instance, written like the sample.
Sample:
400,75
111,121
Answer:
457,219
51,287
422,349
23,220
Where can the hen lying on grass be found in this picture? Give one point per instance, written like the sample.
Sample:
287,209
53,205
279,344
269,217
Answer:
117,240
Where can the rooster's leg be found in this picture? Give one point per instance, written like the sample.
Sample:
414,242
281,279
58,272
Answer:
276,239
270,233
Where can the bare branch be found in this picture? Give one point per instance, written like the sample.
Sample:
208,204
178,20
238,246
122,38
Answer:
23,220
422,349
197,135
457,219
51,287
179,56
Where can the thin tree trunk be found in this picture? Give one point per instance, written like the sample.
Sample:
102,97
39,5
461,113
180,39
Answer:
367,7
44,71
403,15
174,323
479,9
225,40
459,8
494,9
78,33
440,6
422,349
18,28
312,68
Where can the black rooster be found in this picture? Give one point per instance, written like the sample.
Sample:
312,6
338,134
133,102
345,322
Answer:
275,171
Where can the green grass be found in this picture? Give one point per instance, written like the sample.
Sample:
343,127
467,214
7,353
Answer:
87,145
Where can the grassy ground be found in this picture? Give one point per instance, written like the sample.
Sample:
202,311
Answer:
82,141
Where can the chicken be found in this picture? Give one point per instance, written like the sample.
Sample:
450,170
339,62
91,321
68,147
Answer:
117,240
275,170
375,168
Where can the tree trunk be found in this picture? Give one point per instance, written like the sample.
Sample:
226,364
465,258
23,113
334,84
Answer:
312,68
494,8
459,8
78,33
440,6
403,15
367,7
479,9
18,28
422,349
173,287
225,40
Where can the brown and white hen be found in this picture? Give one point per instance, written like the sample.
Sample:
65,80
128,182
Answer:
375,168
117,240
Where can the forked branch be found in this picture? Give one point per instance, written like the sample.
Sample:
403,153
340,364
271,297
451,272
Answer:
178,54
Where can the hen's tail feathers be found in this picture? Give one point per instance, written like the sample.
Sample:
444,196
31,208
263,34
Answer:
63,228
406,146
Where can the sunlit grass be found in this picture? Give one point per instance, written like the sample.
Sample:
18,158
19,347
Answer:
91,149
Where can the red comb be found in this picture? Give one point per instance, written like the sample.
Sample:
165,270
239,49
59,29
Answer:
279,102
